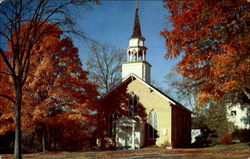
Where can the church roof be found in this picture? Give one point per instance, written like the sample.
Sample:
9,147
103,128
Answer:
137,28
131,76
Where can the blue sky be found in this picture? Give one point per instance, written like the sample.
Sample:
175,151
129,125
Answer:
112,22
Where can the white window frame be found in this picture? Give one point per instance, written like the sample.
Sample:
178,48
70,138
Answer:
132,107
153,124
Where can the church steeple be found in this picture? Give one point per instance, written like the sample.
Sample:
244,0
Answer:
137,28
136,54
136,50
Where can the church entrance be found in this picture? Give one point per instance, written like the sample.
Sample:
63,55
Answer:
127,137
129,133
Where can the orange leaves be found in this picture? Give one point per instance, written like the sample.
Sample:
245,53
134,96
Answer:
229,48
59,85
228,86
6,118
214,39
6,126
56,92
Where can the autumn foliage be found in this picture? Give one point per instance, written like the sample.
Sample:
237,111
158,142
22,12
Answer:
57,94
213,40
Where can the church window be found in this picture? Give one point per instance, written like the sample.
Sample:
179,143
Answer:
111,124
133,104
152,124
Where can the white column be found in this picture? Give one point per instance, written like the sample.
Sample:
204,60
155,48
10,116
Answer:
133,136
143,55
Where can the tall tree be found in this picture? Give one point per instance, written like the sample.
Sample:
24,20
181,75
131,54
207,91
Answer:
182,89
56,92
217,122
59,87
213,38
14,13
104,65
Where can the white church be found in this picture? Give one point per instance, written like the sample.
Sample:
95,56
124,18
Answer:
136,114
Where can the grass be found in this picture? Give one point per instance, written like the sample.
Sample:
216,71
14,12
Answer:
220,151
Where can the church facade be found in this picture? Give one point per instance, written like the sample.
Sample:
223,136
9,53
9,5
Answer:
136,114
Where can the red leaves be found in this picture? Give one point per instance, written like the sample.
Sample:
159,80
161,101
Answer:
214,39
61,93
57,91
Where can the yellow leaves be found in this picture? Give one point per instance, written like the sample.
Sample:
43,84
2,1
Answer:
203,97
75,116
38,113
6,121
7,116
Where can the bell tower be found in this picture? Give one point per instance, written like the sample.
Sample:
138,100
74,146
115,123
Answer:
136,54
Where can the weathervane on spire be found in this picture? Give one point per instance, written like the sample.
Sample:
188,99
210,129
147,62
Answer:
136,3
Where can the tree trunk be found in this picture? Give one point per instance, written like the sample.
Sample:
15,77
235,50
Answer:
17,149
43,142
53,140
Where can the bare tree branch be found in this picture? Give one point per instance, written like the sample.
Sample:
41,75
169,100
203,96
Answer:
8,97
34,14
104,65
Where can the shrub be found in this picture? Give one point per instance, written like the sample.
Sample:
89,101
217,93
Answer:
212,139
242,135
226,139
108,143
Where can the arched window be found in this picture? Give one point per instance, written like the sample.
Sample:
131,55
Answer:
111,124
152,124
133,105
140,56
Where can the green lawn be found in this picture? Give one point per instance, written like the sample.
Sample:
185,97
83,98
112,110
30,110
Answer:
221,151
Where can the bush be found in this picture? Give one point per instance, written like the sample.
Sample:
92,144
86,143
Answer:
242,135
108,143
226,139
212,139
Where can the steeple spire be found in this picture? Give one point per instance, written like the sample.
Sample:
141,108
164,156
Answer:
137,28
136,54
